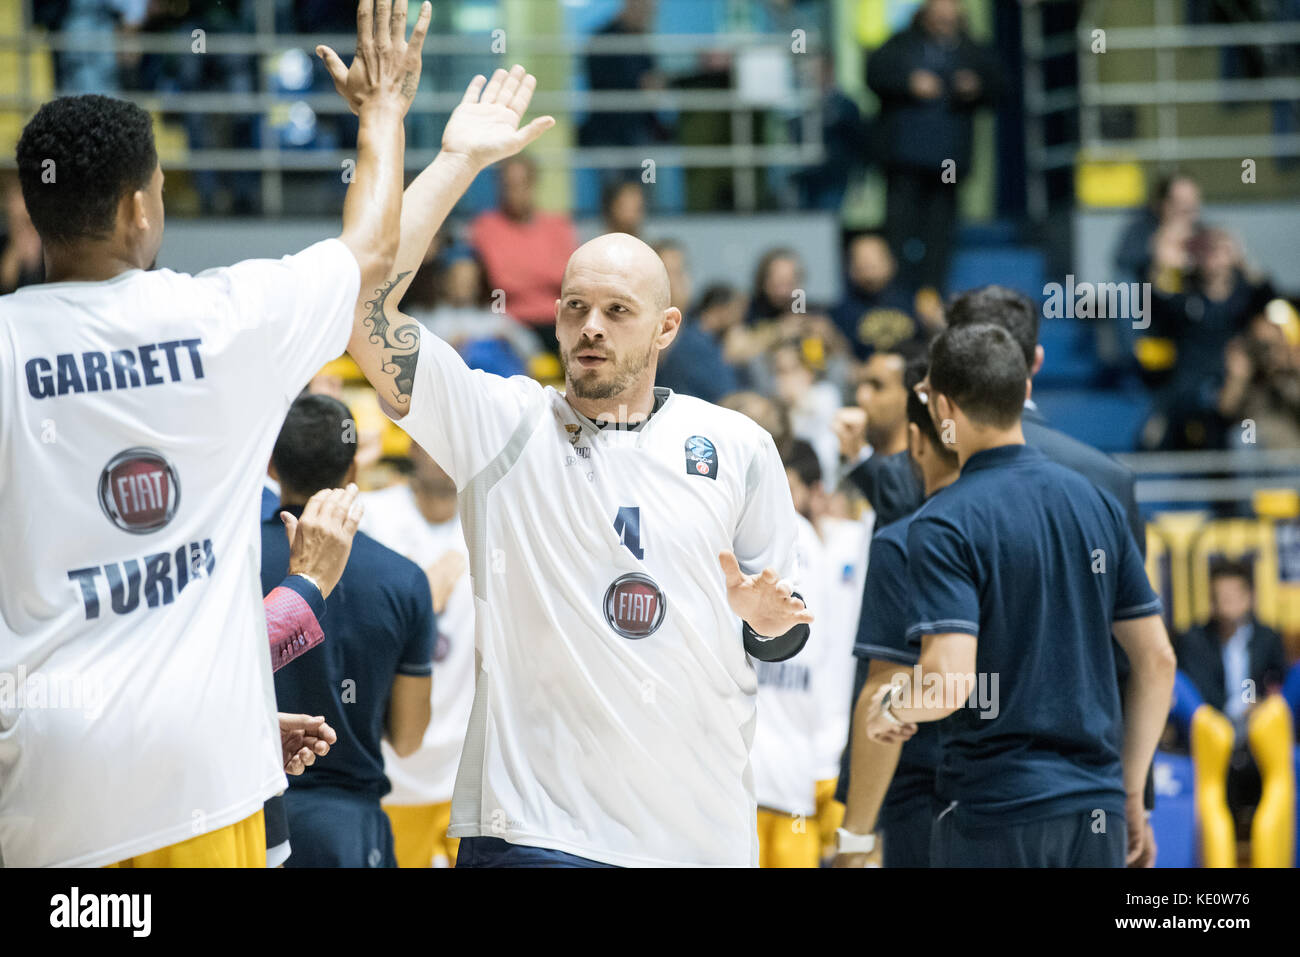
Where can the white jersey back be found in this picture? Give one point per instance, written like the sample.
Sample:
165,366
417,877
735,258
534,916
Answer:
845,544
426,777
614,704
137,416
790,705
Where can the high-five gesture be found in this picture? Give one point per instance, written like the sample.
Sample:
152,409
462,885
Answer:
386,67
763,600
485,127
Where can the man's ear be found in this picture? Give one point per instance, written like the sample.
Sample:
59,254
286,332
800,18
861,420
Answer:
668,326
139,214
270,470
1038,361
351,475
1029,387
915,446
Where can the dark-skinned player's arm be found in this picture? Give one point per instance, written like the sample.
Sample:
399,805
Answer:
380,86
484,128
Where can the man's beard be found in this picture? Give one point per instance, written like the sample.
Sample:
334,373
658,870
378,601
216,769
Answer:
624,373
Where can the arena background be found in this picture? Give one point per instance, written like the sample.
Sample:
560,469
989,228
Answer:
752,127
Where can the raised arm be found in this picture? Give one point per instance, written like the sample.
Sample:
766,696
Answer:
379,86
484,128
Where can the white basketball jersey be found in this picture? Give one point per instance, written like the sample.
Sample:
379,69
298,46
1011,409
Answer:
137,416
614,703
426,777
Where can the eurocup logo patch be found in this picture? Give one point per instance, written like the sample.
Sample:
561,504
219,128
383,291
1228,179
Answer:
701,457
139,491
634,606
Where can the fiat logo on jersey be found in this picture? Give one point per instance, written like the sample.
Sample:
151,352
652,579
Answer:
139,491
634,606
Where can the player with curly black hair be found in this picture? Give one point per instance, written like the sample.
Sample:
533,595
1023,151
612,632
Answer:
138,408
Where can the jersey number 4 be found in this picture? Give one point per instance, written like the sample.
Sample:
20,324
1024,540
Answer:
627,525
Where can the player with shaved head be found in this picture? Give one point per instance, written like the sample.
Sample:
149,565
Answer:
630,549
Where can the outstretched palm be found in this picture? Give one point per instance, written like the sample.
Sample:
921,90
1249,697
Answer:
762,600
485,126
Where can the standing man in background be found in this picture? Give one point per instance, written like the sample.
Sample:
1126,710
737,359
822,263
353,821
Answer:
931,78
419,519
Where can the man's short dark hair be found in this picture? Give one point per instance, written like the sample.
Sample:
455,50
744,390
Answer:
1000,306
919,415
980,368
798,456
317,444
77,158
1239,568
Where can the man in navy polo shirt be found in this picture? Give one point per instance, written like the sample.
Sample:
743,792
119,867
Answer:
370,677
891,788
1019,574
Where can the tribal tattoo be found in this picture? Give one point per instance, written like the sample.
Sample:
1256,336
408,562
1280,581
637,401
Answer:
403,342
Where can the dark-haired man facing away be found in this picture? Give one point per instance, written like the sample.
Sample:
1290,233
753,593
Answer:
138,408
370,678
1019,573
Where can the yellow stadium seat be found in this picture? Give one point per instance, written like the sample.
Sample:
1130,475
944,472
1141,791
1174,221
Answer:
1271,737
1109,181
1212,738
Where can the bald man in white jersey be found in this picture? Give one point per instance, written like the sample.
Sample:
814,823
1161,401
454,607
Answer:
630,550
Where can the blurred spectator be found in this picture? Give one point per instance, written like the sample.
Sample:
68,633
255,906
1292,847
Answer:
777,280
875,312
1262,380
812,402
844,133
95,22
524,251
464,314
771,415
22,260
930,79
1176,202
1199,312
1234,661
694,363
622,206
625,72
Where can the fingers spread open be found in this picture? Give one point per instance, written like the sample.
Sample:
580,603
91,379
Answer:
523,94
383,24
510,85
535,129
474,89
494,86
421,29
333,65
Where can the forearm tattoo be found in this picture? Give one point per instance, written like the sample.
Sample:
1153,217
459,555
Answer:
399,345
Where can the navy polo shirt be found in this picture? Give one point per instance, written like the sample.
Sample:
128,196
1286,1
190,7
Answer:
882,634
379,623
1036,562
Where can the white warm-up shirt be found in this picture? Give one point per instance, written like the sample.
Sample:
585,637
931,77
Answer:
614,703
137,416
393,518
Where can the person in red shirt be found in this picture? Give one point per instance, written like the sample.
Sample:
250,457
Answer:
523,250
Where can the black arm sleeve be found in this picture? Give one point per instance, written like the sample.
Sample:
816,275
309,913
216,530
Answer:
779,648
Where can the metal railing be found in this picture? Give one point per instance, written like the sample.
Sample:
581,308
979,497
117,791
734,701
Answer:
1166,93
1233,476
741,155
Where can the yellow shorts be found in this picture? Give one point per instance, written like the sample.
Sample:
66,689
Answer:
787,840
420,834
242,844
830,815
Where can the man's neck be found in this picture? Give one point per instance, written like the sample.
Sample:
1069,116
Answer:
1226,628
985,439
85,263
936,482
628,407
893,443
